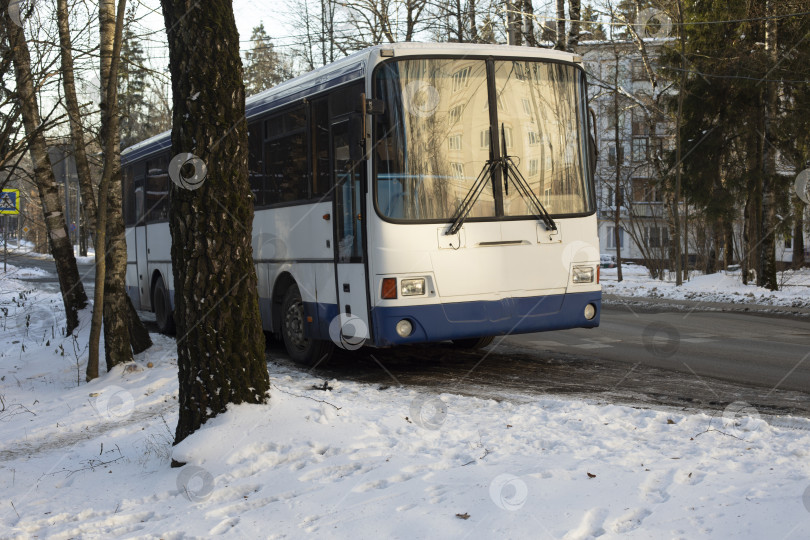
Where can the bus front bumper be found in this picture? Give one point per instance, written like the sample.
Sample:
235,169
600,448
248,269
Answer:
459,320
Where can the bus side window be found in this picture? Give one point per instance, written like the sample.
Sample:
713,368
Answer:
157,190
256,176
286,157
128,196
321,179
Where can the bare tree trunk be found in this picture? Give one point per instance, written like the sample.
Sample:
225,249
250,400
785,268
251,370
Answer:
110,45
676,207
221,348
74,114
575,14
528,23
766,274
560,42
798,233
513,35
73,294
473,25
617,141
123,331
728,242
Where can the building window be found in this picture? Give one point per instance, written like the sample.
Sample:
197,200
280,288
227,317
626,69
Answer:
534,138
788,242
533,167
484,138
457,169
641,148
637,71
460,78
640,127
527,108
656,237
646,190
611,237
455,113
454,142
507,134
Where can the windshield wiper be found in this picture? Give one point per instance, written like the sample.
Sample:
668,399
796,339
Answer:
509,168
477,188
472,196
522,186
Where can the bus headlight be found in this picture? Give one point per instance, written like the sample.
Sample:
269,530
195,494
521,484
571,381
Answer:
412,287
583,274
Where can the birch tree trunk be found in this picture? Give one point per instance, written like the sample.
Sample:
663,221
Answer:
560,42
123,331
574,13
73,294
221,344
74,114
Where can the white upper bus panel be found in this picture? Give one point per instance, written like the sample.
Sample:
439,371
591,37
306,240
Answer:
352,67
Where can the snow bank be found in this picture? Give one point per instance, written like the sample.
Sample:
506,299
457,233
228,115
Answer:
720,287
84,460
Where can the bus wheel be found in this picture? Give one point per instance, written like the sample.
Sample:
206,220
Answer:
302,350
161,305
473,343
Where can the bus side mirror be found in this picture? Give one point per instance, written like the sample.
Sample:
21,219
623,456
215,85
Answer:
357,140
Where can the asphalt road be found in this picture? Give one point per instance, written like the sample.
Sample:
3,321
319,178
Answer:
641,354
759,350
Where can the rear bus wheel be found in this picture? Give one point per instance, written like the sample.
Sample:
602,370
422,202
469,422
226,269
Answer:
162,307
302,350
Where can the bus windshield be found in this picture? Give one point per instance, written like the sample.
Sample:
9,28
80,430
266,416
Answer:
433,139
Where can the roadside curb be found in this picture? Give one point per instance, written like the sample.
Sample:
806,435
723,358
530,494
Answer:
700,305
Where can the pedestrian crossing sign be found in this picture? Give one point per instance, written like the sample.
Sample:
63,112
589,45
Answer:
10,201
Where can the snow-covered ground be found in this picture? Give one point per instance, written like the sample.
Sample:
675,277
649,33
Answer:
82,460
27,248
720,287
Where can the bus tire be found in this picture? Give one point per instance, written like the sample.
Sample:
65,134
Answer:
473,343
302,350
162,307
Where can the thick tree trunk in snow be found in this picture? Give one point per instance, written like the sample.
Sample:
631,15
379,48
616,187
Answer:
220,343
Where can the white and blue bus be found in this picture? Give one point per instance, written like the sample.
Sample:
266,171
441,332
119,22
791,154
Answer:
408,193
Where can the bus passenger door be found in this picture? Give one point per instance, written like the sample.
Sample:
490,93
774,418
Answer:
140,240
350,269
